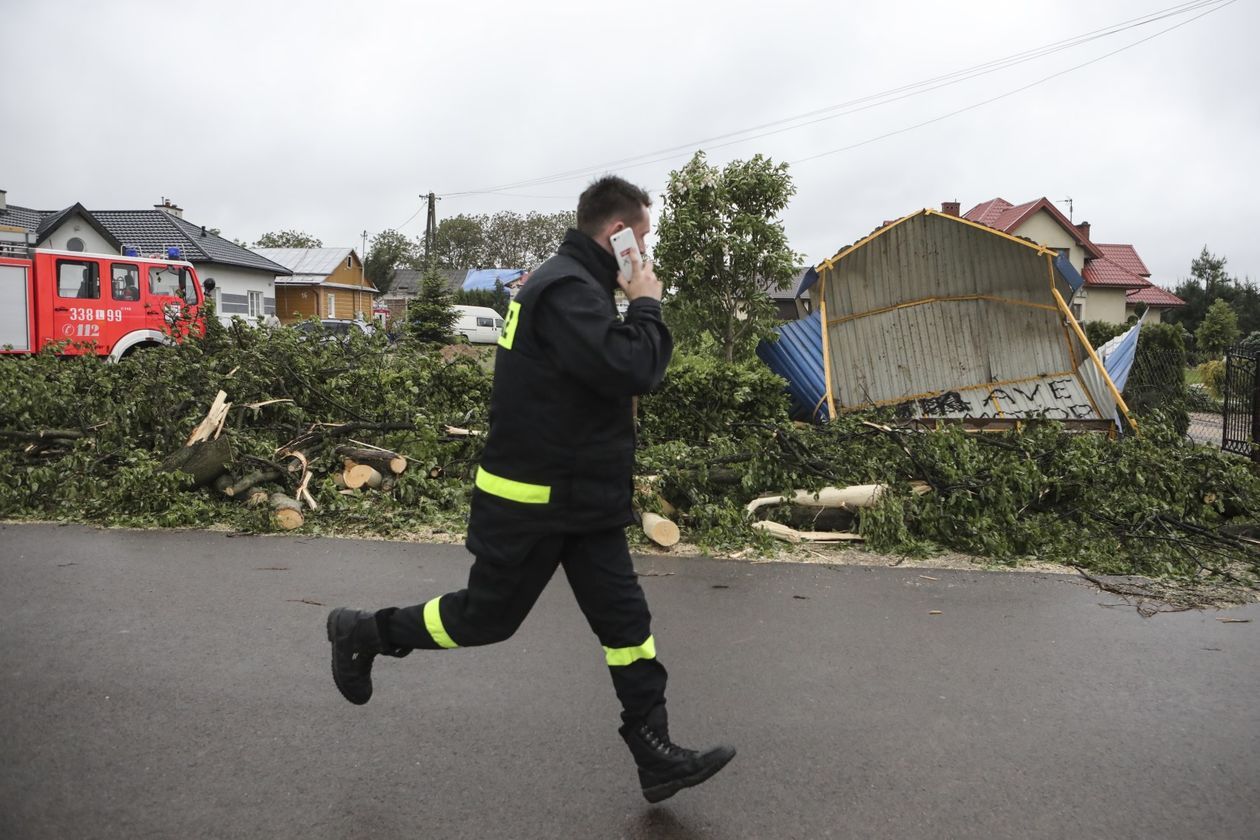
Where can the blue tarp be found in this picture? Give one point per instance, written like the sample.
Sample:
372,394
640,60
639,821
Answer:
1117,355
798,357
483,279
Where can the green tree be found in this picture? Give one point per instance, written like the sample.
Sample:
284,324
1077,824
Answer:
1219,329
460,242
1209,282
505,240
431,314
390,250
720,246
288,239
497,298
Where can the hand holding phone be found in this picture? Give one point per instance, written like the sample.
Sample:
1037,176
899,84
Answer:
625,247
636,277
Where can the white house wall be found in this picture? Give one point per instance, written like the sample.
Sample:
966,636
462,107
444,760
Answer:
1104,304
76,227
232,288
1046,230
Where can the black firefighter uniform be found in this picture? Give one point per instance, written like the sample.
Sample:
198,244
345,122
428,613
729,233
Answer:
554,486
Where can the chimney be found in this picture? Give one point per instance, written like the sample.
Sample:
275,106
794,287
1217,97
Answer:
168,206
3,204
1083,227
951,208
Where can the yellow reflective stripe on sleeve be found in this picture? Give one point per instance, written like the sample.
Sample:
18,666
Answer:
508,335
433,623
517,491
625,656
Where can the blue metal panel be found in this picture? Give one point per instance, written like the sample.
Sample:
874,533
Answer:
798,357
1068,272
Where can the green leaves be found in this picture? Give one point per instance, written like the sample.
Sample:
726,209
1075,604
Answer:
720,246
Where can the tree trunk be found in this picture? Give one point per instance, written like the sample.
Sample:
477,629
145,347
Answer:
286,513
810,519
259,477
361,475
204,461
380,458
659,530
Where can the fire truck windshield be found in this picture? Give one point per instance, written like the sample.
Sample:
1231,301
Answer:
172,280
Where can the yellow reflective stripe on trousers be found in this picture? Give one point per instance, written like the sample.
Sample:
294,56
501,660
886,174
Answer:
433,623
625,656
517,491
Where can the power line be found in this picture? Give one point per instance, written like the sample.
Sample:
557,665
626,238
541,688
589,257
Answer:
1008,93
875,100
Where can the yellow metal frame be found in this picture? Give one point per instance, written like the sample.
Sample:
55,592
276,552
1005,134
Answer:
1080,334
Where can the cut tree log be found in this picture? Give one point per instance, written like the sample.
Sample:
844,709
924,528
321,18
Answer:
850,498
256,497
285,512
339,480
224,483
810,519
42,434
791,535
248,481
204,461
361,475
659,530
382,459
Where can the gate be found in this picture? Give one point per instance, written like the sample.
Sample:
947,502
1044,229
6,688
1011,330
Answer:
1242,403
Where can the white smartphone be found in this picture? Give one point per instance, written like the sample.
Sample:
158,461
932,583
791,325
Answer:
624,244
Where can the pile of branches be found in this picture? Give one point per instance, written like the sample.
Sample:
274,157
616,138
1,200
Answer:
371,437
369,434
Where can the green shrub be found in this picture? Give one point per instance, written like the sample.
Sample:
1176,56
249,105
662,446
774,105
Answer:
1212,374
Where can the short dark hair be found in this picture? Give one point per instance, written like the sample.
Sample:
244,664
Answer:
610,199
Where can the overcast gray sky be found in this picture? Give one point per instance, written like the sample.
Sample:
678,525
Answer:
333,118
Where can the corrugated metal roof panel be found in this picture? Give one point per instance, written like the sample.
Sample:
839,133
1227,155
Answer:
321,261
943,317
798,357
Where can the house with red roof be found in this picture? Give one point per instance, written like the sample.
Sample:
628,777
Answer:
1117,282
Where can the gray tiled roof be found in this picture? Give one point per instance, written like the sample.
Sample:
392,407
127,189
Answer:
407,281
156,230
149,232
790,292
23,217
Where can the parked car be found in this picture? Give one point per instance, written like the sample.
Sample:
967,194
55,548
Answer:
478,324
334,329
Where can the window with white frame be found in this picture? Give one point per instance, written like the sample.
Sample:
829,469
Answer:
255,304
332,305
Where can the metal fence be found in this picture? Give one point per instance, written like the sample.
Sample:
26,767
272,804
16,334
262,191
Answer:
1158,381
1241,413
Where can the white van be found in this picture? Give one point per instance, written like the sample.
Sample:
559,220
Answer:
478,324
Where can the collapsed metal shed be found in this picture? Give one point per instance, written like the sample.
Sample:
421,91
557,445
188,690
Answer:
940,317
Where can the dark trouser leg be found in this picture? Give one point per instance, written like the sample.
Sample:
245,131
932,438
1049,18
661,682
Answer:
489,610
601,573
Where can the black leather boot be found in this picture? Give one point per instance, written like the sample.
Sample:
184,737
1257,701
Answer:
356,642
666,768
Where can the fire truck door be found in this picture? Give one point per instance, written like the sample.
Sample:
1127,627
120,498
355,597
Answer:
78,311
125,296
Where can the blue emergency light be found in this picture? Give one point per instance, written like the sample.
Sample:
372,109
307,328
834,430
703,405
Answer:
172,253
130,252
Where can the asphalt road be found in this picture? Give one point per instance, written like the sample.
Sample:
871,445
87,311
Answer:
176,685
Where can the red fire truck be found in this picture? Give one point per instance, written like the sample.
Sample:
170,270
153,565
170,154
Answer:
95,303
